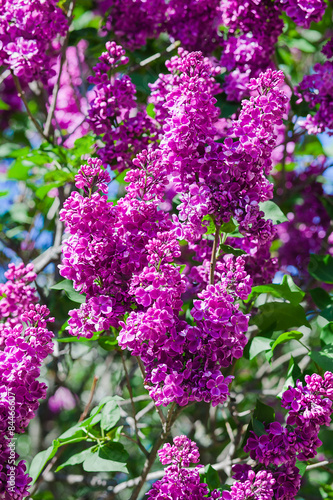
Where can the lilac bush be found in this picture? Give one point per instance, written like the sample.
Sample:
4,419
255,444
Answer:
166,249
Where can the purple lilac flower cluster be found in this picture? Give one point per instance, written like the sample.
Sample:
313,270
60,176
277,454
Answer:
16,294
208,175
133,21
181,482
317,90
23,351
114,114
126,257
309,407
195,23
308,230
304,12
252,486
28,37
254,27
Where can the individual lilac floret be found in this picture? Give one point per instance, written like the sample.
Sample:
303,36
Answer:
180,483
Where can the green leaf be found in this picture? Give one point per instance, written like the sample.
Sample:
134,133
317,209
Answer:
320,297
321,267
110,415
228,249
66,285
286,290
108,343
72,434
264,413
259,344
301,466
151,110
293,374
327,313
258,427
228,227
285,337
324,357
326,335
72,294
277,316
42,191
210,477
302,45
211,228
272,212
18,171
328,205
3,193
4,106
109,458
40,460
78,458
82,340
310,145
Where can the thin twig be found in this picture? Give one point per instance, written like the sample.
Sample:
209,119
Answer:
21,94
143,371
319,464
213,258
63,448
56,88
152,455
91,396
129,387
156,56
4,75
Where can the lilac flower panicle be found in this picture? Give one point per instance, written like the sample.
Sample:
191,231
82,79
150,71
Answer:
28,34
309,407
23,350
180,482
317,90
114,113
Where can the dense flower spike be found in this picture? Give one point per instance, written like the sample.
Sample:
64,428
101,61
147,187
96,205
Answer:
72,106
254,28
133,21
125,257
308,230
28,31
114,114
195,23
24,349
317,90
309,407
254,486
304,12
179,482
16,294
